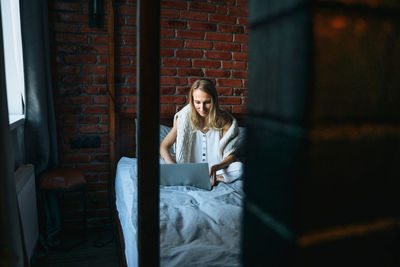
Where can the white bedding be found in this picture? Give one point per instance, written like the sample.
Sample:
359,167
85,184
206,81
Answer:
197,227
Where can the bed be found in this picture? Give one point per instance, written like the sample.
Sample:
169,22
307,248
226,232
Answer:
197,227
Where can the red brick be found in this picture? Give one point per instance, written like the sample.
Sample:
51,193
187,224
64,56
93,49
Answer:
222,2
101,99
131,80
242,3
88,119
64,27
95,110
131,99
190,34
173,24
230,28
65,48
222,18
167,90
78,59
226,107
127,70
98,39
171,43
166,52
102,157
244,100
169,13
77,79
189,53
190,72
167,72
86,29
240,92
166,33
128,50
167,109
120,100
122,60
130,20
126,30
239,74
198,44
68,119
244,48
218,37
99,79
179,62
127,10
128,40
239,56
127,109
229,82
76,158
98,50
240,38
172,99
227,46
183,90
95,69
173,4
191,15
65,6
172,81
78,100
205,63
125,90
239,109
71,38
93,129
222,10
195,25
229,100
217,73
95,90
243,21
202,7
238,11
69,129
68,69
224,91
233,65
73,17
104,120
218,55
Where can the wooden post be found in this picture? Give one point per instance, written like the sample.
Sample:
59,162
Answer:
148,87
110,85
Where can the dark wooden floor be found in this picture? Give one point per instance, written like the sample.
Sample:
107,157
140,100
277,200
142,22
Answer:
84,252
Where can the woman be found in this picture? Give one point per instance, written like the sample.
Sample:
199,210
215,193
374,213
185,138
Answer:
202,132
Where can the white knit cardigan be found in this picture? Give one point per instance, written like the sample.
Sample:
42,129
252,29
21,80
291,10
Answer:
184,139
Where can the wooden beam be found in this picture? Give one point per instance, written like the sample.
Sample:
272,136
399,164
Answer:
110,85
148,87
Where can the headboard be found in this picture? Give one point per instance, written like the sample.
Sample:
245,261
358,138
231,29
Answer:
126,130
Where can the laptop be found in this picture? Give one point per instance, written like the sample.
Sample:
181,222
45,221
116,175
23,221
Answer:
193,174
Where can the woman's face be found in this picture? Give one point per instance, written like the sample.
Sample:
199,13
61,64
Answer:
202,102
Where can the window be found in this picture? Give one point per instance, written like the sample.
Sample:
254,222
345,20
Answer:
13,59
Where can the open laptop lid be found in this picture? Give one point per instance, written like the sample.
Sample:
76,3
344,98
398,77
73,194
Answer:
193,174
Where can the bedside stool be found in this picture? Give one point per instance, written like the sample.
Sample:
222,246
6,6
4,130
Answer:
64,180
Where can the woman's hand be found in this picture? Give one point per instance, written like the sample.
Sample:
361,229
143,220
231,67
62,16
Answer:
213,174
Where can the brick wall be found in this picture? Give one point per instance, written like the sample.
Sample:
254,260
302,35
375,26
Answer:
198,39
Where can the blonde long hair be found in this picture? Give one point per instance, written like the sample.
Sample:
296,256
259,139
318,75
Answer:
215,119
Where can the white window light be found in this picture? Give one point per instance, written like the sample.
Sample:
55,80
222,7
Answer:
13,59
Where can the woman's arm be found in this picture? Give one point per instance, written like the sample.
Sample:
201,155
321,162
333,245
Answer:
166,144
222,165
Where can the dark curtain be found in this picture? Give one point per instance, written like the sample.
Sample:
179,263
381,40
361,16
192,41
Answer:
11,246
40,127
